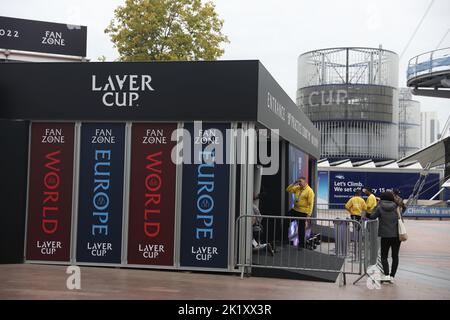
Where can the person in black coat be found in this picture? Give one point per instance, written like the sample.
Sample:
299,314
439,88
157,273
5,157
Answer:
387,215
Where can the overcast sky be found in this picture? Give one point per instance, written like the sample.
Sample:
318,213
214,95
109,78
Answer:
277,31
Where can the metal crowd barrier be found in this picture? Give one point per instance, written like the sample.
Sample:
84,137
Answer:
331,211
371,241
335,243
371,251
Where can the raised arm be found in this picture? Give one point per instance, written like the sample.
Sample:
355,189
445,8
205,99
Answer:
292,187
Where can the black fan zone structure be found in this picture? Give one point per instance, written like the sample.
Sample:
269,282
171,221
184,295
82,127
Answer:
87,169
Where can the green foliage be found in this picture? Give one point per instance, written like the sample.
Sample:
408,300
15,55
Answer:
144,30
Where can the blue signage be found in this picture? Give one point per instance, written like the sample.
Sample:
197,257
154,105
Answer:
427,211
298,167
100,205
323,190
447,194
205,198
343,184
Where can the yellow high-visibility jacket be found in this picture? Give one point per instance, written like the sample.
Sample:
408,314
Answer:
304,198
356,205
371,203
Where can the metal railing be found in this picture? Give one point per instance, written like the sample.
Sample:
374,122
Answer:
371,249
331,211
429,62
334,243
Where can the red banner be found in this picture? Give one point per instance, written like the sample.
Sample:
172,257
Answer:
152,195
50,191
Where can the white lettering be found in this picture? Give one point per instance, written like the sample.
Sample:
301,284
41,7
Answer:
121,90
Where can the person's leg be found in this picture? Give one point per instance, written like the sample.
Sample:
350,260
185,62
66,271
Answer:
301,230
385,244
395,250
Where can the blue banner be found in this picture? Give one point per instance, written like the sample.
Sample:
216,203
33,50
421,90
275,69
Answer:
447,194
298,167
426,211
323,190
343,184
205,198
100,204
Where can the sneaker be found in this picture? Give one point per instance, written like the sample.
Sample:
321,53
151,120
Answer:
385,278
391,280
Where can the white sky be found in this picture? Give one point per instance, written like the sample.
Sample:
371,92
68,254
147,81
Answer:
277,31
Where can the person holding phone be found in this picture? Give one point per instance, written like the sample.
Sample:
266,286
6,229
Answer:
303,205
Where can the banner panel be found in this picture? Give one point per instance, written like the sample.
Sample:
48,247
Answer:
298,167
152,195
100,204
343,184
41,36
50,191
322,190
205,198
427,211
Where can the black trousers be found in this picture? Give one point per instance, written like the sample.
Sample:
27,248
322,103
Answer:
386,244
301,226
357,218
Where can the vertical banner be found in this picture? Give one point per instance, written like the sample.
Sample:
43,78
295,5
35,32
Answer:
205,198
152,195
100,204
50,191
322,190
298,167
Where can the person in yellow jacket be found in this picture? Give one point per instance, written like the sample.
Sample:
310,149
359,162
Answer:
303,205
371,201
356,206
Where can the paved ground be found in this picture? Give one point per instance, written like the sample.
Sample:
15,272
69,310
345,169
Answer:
424,273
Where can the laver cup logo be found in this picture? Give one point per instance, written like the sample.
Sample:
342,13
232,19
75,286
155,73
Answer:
122,90
205,200
100,204
152,195
50,191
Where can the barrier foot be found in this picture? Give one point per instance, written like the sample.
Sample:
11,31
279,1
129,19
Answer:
361,277
342,280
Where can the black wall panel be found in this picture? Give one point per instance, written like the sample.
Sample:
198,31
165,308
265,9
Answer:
13,186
